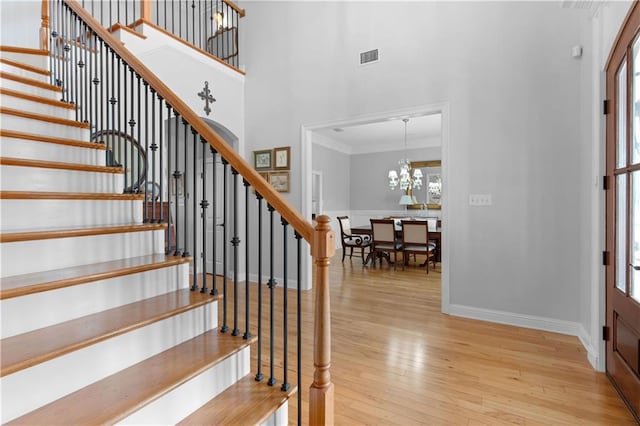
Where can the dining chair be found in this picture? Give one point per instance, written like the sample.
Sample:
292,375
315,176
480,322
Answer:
415,240
384,241
351,241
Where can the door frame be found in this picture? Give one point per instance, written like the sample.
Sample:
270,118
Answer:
628,32
306,141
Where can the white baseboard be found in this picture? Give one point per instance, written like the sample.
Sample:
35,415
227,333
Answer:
593,354
526,321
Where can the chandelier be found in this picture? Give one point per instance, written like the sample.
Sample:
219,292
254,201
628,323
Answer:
407,178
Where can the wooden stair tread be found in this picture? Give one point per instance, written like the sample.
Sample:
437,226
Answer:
12,237
20,285
27,67
119,395
246,402
28,349
43,117
30,81
34,98
41,195
21,162
26,50
50,139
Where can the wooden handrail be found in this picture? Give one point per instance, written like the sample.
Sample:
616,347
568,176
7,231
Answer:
44,26
271,196
235,7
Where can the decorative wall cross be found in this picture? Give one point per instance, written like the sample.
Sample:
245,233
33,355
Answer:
205,95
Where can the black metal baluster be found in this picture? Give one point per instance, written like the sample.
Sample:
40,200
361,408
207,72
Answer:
225,298
176,177
204,204
299,324
199,24
85,85
146,150
154,149
170,219
247,334
120,96
235,242
272,285
214,217
259,375
185,252
76,62
52,38
127,184
99,82
112,101
285,297
160,146
67,58
193,23
194,197
140,171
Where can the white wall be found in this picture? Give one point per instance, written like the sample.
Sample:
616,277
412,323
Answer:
336,176
20,23
516,128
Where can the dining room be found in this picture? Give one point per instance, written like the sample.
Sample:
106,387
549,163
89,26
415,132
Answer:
388,168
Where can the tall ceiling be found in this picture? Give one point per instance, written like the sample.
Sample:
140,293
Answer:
387,135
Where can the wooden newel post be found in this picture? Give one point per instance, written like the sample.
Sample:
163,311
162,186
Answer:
145,10
44,26
321,391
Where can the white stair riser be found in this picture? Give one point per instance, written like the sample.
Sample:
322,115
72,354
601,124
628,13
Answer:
34,150
40,61
188,397
54,307
30,89
34,214
25,391
279,418
43,255
25,73
18,178
36,107
30,125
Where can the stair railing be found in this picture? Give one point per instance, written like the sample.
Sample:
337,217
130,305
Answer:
209,25
165,148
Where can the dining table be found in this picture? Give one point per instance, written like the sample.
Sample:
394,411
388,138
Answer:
435,236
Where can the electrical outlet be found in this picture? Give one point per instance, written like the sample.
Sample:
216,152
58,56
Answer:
480,200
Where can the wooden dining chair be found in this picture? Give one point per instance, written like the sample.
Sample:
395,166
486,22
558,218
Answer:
415,240
384,241
351,241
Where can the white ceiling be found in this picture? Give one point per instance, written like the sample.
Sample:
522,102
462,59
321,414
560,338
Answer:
388,135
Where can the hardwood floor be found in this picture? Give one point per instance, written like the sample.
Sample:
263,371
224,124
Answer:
397,360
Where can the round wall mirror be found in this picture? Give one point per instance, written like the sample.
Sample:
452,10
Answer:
125,151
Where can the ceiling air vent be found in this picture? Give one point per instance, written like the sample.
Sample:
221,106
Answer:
369,57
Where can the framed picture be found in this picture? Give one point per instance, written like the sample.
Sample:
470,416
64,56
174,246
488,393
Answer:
282,158
262,159
265,175
280,181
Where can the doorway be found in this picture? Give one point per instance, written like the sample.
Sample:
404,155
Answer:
623,214
307,135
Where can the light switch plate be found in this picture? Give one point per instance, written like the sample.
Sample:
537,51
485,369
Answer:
480,200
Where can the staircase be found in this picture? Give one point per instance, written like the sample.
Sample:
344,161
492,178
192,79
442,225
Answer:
98,324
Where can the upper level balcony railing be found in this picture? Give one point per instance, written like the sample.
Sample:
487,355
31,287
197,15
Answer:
209,25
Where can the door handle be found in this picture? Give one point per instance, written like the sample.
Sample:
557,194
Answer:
635,268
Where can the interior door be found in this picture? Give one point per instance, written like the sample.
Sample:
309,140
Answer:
623,213
217,211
